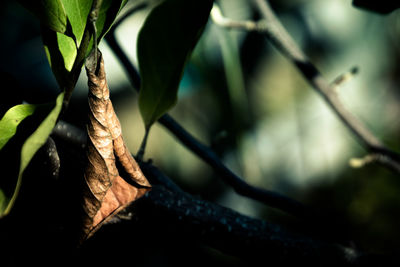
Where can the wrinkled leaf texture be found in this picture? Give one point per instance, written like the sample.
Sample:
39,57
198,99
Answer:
165,43
63,23
106,192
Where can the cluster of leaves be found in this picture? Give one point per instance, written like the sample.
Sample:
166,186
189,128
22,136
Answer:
67,40
165,43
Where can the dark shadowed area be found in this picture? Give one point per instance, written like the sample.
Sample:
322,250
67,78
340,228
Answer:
240,96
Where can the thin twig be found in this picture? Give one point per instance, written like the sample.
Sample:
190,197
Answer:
138,6
111,40
372,158
281,39
270,198
284,42
345,77
142,147
93,15
248,25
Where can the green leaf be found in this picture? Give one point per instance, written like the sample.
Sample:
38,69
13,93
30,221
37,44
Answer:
165,43
59,55
106,18
10,121
63,52
3,201
107,15
77,13
67,47
50,13
37,131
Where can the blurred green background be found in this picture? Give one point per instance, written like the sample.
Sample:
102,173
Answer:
243,98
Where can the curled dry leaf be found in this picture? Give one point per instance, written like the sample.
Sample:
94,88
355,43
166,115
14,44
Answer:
106,192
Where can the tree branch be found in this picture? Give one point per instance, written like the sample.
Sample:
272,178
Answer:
319,221
281,39
270,198
166,213
53,159
221,228
66,131
230,232
70,133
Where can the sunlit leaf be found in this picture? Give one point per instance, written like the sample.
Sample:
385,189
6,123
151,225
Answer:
61,42
165,43
56,57
10,121
50,13
37,131
68,50
63,51
77,13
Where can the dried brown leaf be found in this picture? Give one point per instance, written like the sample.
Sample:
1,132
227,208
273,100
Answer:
106,192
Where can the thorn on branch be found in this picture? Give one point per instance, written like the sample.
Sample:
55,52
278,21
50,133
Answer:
247,25
375,158
280,38
289,49
361,162
345,77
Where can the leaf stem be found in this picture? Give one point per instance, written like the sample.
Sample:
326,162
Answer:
90,31
142,147
94,14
